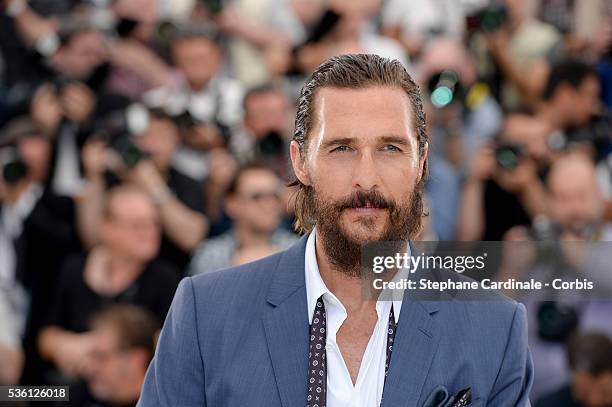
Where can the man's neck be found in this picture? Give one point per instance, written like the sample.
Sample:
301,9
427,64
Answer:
248,237
112,272
349,290
130,391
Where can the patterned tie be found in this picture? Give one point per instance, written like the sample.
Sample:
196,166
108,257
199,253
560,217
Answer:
317,355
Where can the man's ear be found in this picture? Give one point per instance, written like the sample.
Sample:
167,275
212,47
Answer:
139,357
422,161
230,205
298,160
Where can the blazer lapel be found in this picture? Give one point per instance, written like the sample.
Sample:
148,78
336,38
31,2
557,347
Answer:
286,326
416,341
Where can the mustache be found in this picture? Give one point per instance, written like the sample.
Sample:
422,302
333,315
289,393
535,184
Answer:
360,199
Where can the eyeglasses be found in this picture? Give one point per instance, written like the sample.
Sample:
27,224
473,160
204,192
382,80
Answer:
100,355
261,195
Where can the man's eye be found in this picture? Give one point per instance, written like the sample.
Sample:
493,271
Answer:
391,147
340,149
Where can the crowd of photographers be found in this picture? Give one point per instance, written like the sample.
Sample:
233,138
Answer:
145,140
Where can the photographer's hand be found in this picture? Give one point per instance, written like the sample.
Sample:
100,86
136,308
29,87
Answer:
146,176
529,82
523,181
135,57
471,223
89,203
204,137
78,102
222,168
46,110
483,165
182,225
94,157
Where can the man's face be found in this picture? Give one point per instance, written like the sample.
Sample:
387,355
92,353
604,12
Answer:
576,201
266,112
198,59
257,201
591,390
83,53
132,226
160,140
363,164
36,152
108,364
585,103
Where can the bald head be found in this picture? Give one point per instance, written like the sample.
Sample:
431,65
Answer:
576,200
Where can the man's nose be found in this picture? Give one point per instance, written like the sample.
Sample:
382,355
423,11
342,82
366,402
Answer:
365,173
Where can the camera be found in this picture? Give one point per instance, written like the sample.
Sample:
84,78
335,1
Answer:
489,19
444,88
508,155
14,168
556,321
118,129
271,144
187,121
326,24
213,6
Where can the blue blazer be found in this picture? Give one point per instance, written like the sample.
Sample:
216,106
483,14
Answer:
239,337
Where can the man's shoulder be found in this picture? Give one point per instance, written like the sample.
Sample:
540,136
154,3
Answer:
479,307
241,281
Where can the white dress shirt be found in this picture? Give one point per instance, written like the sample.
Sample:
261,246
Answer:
368,389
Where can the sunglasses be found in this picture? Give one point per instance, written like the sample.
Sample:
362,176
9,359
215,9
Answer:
261,195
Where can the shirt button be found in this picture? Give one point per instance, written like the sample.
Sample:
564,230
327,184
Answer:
329,347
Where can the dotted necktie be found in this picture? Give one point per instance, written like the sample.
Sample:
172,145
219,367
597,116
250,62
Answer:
317,355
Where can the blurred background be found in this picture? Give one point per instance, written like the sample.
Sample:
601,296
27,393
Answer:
145,140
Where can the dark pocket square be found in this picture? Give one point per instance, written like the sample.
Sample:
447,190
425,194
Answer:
439,397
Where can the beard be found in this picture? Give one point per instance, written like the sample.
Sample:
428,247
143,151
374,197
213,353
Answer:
404,222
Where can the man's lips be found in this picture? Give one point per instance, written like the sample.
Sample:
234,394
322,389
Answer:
365,210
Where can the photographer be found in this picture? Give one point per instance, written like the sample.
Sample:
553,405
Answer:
38,225
504,177
344,28
415,24
589,357
522,49
198,85
576,233
570,108
123,343
463,115
178,197
263,136
254,203
121,268
67,105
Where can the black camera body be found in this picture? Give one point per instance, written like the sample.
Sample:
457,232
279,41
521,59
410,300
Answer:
14,168
508,155
118,130
489,19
